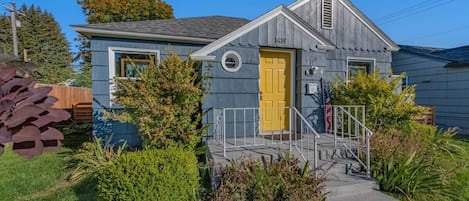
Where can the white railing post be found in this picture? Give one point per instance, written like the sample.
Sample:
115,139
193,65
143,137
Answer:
364,120
315,154
335,126
234,126
368,165
224,132
290,128
244,129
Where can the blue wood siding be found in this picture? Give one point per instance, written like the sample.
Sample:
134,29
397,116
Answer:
119,132
241,89
445,88
348,32
269,33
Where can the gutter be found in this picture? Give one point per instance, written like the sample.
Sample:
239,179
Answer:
89,32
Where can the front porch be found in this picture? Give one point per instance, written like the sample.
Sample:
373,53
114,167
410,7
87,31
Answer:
342,154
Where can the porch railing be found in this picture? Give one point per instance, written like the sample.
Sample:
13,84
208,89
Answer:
248,127
350,131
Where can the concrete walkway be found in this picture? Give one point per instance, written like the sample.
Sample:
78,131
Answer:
342,183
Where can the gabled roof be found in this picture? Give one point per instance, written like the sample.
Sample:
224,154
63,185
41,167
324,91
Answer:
425,51
197,29
360,16
460,54
456,57
203,54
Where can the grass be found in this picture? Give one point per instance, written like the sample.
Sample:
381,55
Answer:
462,176
43,177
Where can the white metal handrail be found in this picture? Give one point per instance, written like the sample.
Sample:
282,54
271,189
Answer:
352,132
247,127
310,128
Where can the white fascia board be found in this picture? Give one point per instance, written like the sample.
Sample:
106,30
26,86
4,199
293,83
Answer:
393,49
249,27
203,58
297,4
326,47
372,28
133,35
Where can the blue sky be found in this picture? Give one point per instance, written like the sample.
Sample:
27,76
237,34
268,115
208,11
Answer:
445,24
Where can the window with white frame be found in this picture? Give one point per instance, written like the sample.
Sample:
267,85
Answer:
128,62
231,61
357,66
125,63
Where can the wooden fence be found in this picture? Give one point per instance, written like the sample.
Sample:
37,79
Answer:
75,100
82,113
69,96
428,116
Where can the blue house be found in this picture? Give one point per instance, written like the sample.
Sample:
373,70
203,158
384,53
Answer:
441,77
277,60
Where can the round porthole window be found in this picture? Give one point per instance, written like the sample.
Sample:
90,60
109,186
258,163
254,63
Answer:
231,61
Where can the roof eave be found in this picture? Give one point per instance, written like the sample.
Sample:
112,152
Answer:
90,32
326,47
205,51
426,55
457,65
202,58
393,49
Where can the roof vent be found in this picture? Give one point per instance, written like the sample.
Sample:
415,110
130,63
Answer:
327,13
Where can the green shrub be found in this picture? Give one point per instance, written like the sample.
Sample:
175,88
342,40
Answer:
167,174
164,103
408,176
93,156
434,140
81,129
275,180
417,162
384,107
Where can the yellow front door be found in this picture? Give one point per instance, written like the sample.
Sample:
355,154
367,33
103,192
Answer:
275,86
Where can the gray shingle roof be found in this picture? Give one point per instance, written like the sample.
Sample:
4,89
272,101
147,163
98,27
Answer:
457,56
420,49
460,54
210,27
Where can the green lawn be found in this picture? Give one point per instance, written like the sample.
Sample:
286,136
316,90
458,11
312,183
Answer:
462,177
43,177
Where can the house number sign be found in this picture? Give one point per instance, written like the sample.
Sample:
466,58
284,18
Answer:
280,40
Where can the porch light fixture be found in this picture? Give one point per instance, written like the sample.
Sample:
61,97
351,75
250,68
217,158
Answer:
231,61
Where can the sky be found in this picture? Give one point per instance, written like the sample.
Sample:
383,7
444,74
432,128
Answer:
435,23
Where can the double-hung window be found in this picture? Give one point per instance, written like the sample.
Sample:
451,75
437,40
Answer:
125,63
356,66
128,62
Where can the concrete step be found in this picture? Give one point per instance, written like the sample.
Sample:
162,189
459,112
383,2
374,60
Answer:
369,196
351,188
340,167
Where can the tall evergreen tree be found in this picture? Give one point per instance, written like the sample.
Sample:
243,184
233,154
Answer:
105,11
41,36
5,35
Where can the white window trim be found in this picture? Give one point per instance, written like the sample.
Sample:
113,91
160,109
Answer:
240,61
332,15
359,59
112,64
